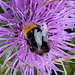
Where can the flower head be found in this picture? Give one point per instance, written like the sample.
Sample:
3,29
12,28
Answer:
57,15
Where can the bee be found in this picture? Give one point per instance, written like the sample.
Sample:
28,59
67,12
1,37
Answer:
37,39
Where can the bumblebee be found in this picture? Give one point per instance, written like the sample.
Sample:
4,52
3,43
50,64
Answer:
37,39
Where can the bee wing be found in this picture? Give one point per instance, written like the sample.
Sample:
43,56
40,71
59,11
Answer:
38,38
45,33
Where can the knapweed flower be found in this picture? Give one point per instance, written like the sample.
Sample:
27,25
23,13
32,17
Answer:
58,15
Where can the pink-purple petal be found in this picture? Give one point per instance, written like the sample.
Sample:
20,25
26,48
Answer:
58,16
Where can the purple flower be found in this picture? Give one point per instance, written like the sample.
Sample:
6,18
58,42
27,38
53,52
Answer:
58,16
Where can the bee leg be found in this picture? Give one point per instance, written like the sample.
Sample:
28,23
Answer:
32,49
28,42
45,27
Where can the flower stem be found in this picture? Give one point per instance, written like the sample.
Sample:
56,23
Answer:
64,68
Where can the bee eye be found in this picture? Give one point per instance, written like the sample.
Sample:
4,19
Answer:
31,31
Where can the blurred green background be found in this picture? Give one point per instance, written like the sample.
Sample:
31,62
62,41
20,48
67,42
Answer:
70,66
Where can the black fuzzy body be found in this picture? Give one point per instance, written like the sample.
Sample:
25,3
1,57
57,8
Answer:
33,44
